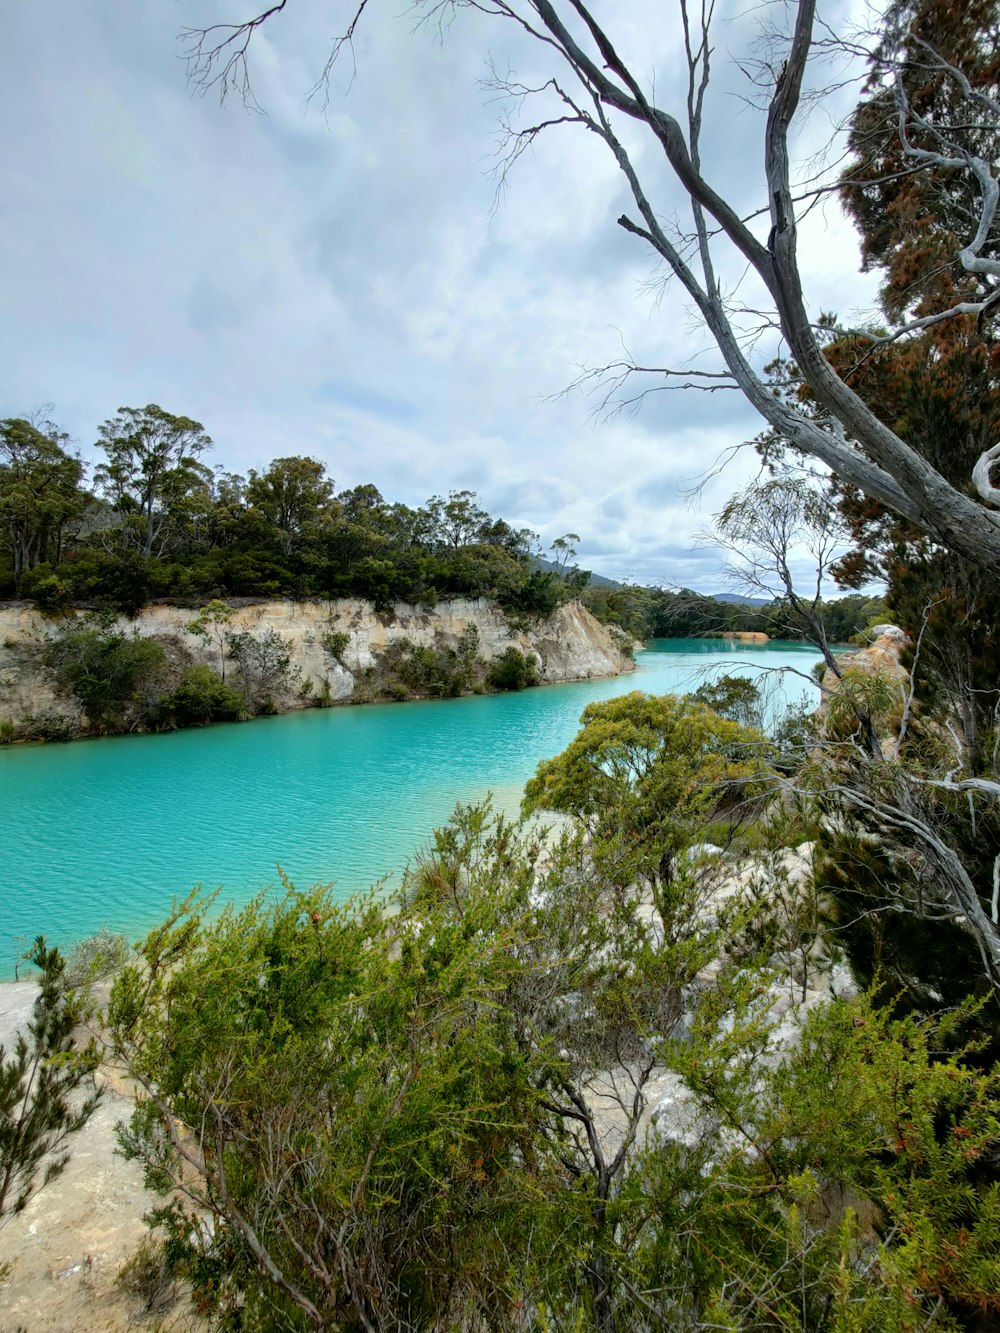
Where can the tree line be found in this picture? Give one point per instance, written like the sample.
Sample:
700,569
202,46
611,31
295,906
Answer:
156,522
660,613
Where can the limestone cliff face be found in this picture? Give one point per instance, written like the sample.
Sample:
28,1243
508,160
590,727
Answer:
880,657
568,645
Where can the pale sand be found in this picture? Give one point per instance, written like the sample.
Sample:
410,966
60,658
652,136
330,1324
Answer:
68,1244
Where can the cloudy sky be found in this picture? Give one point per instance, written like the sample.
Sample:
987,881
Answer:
344,282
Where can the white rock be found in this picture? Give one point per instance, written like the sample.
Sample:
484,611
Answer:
842,982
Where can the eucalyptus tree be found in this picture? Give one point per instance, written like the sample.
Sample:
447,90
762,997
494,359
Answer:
295,496
769,527
153,475
40,492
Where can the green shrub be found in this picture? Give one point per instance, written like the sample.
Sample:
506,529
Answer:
336,643
623,641
265,668
96,957
438,672
49,592
200,697
111,674
735,698
8,732
536,596
513,671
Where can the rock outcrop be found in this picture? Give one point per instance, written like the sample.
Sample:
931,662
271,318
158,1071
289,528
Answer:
880,657
336,648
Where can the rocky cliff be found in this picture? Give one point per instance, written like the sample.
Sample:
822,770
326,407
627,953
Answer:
338,650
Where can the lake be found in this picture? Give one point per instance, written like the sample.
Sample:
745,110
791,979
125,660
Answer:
108,832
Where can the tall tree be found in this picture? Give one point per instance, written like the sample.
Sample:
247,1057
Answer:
40,492
937,61
456,521
152,473
294,494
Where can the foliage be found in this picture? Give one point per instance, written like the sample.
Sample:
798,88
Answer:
153,476
113,675
623,641
294,497
907,219
336,643
844,1189
433,1117
796,733
145,1275
765,525
537,596
199,697
265,668
513,670
656,613
410,669
737,698
96,958
645,773
49,593
212,625
37,1083
39,493
396,1099
392,1098
160,524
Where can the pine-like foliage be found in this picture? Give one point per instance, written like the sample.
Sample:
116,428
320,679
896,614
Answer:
37,1110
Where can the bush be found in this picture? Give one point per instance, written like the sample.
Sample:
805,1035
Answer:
513,671
623,641
96,957
265,667
735,698
408,668
200,696
335,643
536,597
110,674
146,1277
47,590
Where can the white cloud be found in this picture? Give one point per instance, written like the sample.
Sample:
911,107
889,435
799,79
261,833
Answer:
337,283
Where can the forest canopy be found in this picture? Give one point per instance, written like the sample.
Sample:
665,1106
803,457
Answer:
157,522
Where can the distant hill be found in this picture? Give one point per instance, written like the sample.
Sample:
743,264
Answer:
596,580
599,581
737,599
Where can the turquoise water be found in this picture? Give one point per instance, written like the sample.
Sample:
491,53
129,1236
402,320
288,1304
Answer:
108,832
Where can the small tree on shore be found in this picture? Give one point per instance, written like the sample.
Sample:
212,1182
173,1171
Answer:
38,1112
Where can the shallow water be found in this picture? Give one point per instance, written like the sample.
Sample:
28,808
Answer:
108,832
